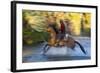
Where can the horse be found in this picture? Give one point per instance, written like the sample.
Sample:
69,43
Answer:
63,40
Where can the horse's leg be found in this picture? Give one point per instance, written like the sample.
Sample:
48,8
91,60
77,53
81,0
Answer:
70,43
81,47
46,48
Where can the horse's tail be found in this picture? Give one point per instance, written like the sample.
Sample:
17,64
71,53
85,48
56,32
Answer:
81,47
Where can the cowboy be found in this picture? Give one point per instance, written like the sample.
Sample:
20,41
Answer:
62,33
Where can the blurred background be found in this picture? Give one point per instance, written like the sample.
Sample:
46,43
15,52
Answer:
35,23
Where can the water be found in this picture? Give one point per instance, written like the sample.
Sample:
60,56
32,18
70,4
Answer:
58,53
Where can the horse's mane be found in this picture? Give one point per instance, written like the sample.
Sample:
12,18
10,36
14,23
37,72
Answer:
54,28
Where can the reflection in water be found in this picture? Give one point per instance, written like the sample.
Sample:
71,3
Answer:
44,58
35,58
